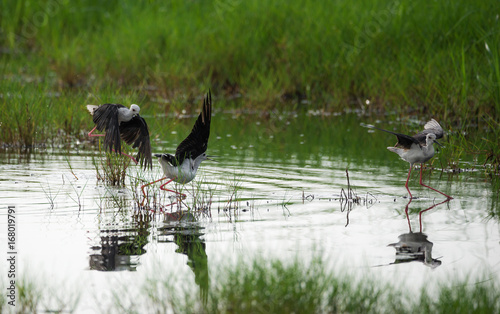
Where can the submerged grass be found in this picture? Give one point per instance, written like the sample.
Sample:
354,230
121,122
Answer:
31,297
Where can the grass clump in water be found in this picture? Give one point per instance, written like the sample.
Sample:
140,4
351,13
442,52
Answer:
460,297
111,167
274,287
29,295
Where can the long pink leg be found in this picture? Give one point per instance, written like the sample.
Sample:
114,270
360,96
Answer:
422,184
162,187
133,159
145,185
95,135
407,179
165,189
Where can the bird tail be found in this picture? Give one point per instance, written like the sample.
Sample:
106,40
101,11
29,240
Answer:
157,155
92,108
397,150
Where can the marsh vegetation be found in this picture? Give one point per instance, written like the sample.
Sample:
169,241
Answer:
304,200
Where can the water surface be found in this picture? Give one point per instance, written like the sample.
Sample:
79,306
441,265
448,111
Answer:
289,170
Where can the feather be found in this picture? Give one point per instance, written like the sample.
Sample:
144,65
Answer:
135,132
196,142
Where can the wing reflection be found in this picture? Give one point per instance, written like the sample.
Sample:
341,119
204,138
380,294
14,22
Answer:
120,248
414,246
182,229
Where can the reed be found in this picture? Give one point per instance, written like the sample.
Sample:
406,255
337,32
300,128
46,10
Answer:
111,168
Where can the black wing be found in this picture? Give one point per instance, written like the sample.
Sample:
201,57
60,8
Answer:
135,132
106,119
196,143
404,140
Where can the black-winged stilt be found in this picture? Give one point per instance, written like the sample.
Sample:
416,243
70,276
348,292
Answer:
189,154
418,148
122,123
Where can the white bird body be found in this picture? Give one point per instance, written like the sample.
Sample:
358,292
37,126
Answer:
124,114
183,173
417,153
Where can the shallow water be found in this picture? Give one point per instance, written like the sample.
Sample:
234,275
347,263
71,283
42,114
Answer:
289,172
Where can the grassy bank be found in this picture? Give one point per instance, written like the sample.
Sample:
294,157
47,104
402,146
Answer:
442,56
269,287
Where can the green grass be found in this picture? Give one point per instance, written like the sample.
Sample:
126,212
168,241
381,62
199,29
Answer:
111,168
462,298
400,56
35,114
273,286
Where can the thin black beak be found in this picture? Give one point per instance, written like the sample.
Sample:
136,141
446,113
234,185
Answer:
211,158
438,143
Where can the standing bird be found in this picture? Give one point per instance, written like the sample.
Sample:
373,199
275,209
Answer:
122,123
417,148
182,167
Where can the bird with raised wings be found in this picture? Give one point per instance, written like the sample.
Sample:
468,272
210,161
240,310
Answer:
417,148
122,123
190,153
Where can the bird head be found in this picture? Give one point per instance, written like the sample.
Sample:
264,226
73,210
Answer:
204,156
135,109
431,138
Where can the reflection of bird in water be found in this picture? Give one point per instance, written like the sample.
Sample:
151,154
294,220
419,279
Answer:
418,148
186,235
414,246
119,249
